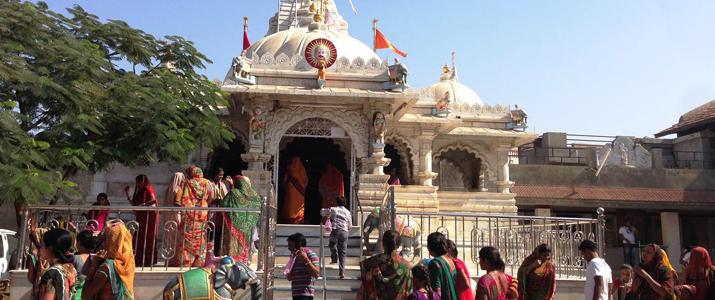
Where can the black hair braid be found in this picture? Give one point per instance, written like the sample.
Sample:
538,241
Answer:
421,272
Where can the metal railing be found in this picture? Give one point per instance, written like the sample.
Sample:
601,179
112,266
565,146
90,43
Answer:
166,231
551,156
515,237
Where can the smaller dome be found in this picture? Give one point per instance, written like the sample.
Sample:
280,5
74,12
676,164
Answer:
458,93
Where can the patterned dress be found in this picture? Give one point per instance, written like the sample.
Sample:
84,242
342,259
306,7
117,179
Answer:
386,277
59,280
443,278
196,192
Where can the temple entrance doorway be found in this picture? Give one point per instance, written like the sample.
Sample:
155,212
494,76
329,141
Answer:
314,167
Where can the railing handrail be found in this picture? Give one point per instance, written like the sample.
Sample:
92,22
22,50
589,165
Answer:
139,208
483,215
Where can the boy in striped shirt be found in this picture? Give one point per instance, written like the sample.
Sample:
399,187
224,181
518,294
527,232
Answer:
305,270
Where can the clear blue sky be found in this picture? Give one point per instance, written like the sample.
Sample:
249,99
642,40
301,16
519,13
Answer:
607,67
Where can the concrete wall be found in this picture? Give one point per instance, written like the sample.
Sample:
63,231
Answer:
614,177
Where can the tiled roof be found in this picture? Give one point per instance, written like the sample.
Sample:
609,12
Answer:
699,116
612,194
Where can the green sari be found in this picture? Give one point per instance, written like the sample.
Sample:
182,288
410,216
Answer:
443,278
238,236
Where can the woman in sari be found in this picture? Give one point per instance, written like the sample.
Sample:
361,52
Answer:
295,182
36,264
442,270
58,282
537,275
97,217
111,271
331,185
145,196
238,234
700,273
654,279
386,276
464,281
495,284
195,192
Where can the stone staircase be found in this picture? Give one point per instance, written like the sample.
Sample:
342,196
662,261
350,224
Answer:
336,288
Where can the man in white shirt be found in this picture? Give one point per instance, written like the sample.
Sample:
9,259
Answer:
341,221
628,240
598,273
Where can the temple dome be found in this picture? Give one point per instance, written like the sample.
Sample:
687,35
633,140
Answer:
459,93
290,44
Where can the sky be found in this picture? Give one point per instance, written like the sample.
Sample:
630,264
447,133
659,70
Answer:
606,67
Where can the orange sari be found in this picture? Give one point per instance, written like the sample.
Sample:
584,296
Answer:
295,181
331,186
195,192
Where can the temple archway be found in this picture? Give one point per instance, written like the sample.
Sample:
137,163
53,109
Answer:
399,151
314,163
459,170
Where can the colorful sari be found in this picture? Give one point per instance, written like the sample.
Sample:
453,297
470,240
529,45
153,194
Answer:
148,228
120,262
502,287
701,274
196,192
465,292
238,234
295,182
539,283
385,277
661,273
443,278
59,280
331,186
99,216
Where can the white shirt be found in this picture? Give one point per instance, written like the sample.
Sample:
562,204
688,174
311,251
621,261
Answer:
628,234
340,217
597,267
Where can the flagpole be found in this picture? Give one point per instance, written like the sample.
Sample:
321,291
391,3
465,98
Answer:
245,32
374,34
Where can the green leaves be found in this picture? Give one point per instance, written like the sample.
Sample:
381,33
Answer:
77,93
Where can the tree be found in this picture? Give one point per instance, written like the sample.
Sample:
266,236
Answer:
77,94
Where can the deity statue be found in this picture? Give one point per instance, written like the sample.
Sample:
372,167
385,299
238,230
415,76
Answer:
624,153
443,103
258,123
321,54
378,124
519,116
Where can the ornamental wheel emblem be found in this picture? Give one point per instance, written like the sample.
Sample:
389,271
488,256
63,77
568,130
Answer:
321,53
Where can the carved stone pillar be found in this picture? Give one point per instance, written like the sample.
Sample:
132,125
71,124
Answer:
426,175
256,161
257,129
504,184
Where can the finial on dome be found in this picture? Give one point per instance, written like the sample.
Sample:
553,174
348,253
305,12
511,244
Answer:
446,73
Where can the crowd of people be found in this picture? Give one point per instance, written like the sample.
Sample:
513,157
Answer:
99,261
445,277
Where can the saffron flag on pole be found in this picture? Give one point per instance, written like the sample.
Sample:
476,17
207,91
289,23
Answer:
246,41
381,42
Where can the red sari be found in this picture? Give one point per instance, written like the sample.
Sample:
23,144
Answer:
146,237
700,273
195,192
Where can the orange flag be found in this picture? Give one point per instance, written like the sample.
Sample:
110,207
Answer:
381,42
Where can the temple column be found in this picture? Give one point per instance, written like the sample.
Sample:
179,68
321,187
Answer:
504,184
426,175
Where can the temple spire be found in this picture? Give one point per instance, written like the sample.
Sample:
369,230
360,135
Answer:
454,65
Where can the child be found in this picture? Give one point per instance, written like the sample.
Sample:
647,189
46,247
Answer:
421,287
58,282
622,285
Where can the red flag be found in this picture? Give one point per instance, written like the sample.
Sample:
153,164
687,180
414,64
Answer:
381,42
246,41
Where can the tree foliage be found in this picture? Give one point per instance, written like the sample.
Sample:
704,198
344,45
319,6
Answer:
77,93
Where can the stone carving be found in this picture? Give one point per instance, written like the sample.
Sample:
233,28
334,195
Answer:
354,123
464,108
378,125
490,172
398,76
625,152
518,117
407,154
298,62
241,67
258,123
321,54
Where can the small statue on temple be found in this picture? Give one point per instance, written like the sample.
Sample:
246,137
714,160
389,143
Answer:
398,73
518,116
258,123
378,124
242,69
